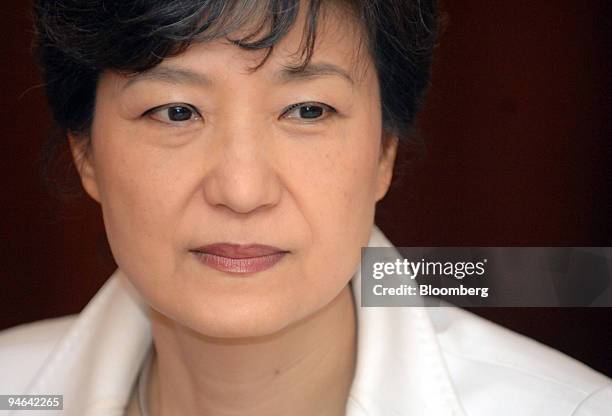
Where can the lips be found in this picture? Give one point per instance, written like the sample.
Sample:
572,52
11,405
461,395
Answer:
236,258
238,251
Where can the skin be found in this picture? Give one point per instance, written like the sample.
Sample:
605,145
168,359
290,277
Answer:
243,170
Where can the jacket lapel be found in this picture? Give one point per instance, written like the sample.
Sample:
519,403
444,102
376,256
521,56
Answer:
97,361
400,368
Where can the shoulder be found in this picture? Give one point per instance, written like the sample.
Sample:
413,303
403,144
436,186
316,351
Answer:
25,348
496,370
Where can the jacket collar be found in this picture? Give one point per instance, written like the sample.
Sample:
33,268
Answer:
400,369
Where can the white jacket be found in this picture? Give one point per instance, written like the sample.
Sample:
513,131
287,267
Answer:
413,361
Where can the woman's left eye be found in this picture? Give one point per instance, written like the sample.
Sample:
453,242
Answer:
177,114
309,111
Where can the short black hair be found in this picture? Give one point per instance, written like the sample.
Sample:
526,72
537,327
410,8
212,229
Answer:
78,39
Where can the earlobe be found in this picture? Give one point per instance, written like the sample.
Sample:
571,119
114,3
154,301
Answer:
83,161
385,166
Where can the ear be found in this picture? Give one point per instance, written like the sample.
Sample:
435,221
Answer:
388,151
83,160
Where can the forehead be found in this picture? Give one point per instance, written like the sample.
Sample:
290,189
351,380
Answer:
338,49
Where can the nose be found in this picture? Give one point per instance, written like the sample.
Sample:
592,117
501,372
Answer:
243,178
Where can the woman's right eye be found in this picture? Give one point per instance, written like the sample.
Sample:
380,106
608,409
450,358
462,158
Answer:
174,114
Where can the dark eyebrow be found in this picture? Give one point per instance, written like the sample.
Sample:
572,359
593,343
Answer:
178,75
171,75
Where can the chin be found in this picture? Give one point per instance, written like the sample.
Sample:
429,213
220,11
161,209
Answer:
254,321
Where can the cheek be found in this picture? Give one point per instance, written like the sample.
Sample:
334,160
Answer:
141,203
346,177
337,198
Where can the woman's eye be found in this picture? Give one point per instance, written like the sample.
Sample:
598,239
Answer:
177,114
309,111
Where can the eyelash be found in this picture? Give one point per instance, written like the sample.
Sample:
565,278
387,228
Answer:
327,108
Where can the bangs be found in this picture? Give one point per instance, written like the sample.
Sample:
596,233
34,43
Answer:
214,20
143,33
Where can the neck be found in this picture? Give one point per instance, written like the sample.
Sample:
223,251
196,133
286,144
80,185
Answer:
305,369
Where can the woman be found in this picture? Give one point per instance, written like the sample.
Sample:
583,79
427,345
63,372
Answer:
238,150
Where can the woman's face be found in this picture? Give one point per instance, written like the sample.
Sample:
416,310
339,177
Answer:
200,151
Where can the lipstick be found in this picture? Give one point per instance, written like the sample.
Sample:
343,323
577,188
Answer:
236,258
